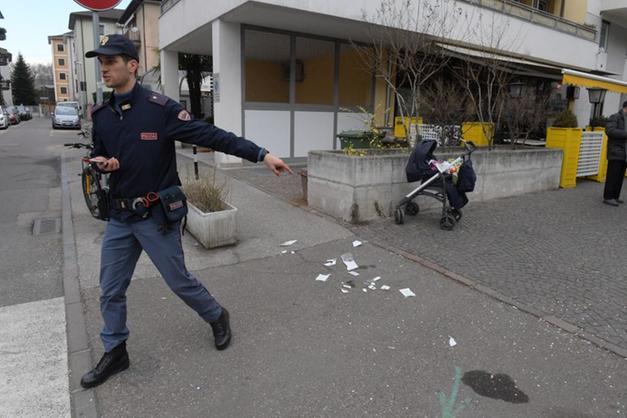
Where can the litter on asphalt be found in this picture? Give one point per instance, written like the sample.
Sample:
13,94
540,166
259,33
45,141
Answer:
385,287
322,277
451,341
288,243
407,292
331,262
356,243
349,261
353,273
344,290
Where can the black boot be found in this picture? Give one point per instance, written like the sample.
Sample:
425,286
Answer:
221,330
111,363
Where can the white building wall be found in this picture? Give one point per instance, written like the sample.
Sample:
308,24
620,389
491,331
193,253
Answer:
7,95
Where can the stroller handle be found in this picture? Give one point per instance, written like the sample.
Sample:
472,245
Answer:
470,147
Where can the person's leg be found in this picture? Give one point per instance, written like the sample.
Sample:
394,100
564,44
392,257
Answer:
120,252
620,177
613,179
166,252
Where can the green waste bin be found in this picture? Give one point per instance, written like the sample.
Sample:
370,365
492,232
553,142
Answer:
358,139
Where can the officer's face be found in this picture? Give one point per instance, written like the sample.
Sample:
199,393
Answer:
115,72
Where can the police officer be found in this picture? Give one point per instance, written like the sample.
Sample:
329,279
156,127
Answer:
133,136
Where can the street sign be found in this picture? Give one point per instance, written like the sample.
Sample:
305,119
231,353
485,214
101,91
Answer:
98,5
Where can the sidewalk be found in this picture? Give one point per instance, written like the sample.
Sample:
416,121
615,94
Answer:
303,348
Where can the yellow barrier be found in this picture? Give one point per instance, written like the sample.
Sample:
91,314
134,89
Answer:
603,161
569,141
401,124
476,132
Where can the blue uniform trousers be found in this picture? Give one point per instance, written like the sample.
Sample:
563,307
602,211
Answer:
121,246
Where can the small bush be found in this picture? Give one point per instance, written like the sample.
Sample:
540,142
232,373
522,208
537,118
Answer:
565,119
205,194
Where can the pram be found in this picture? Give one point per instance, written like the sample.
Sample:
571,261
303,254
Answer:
437,182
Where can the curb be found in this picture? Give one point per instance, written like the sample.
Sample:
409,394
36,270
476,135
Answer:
559,323
82,401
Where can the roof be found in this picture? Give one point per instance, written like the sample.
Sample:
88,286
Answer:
113,14
132,7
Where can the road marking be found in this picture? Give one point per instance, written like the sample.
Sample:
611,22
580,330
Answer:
33,360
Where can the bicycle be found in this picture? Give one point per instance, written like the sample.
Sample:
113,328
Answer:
94,182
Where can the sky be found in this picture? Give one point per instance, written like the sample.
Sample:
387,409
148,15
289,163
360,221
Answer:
30,22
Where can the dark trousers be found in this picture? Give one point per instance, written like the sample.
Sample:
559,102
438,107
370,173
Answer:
614,179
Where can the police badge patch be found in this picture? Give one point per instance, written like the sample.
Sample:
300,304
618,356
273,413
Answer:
104,40
184,116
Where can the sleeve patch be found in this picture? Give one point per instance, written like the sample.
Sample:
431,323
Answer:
184,116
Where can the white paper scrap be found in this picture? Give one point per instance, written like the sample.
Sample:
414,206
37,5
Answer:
345,286
407,292
376,279
288,243
349,261
356,243
353,273
364,290
284,252
292,252
330,262
372,287
344,290
322,277
385,287
451,341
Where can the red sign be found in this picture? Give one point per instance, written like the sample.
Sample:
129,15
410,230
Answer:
98,5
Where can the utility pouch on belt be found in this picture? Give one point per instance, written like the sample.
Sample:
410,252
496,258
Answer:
173,203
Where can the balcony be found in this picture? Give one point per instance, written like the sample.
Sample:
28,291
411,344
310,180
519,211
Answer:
134,36
532,14
167,5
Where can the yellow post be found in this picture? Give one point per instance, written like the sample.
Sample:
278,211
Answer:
401,125
569,141
476,132
600,177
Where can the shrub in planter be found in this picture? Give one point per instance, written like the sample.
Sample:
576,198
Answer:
565,119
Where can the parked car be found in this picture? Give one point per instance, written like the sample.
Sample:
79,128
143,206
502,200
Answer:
65,117
14,116
24,112
4,118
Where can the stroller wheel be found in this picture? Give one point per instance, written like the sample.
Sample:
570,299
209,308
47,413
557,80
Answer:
412,208
447,222
399,216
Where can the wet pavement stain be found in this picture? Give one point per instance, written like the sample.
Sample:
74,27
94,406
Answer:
495,386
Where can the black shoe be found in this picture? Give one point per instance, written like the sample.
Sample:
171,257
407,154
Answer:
610,202
619,201
111,363
222,330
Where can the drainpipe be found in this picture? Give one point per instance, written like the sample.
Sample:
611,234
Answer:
562,8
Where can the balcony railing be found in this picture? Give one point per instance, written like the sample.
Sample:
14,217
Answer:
531,14
167,5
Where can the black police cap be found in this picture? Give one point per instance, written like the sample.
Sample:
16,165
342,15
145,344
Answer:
114,45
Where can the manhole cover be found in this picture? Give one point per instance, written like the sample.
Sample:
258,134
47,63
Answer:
46,226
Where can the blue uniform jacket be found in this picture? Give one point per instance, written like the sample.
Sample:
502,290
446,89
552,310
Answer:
140,133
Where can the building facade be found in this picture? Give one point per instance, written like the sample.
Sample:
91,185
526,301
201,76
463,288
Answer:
287,73
62,68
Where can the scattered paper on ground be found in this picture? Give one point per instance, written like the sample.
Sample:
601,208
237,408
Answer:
331,262
356,243
385,287
322,277
284,252
344,290
349,261
353,273
451,341
407,292
288,243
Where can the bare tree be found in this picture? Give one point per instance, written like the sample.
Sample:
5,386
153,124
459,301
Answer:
404,48
525,114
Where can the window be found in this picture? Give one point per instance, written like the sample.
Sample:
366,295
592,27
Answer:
267,67
356,78
60,47
604,34
101,30
314,71
61,62
62,76
63,90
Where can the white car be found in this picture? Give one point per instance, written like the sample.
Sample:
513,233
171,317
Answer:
4,119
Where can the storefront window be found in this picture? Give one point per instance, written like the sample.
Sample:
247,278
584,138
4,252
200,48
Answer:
267,67
314,71
355,88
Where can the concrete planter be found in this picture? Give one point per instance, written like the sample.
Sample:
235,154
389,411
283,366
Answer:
358,189
213,229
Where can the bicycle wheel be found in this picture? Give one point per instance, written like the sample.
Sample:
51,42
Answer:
91,187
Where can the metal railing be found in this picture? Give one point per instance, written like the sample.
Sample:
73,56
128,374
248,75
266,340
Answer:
540,17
